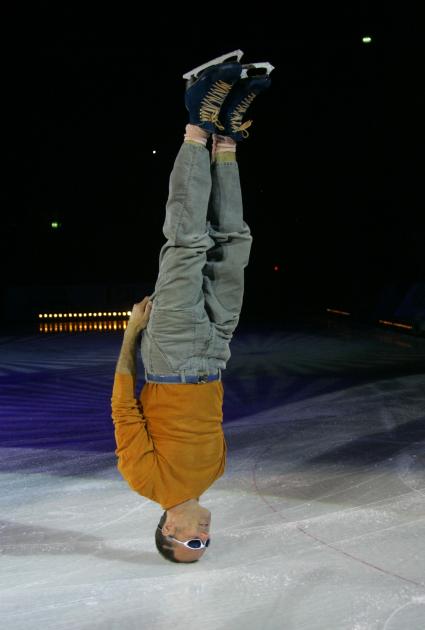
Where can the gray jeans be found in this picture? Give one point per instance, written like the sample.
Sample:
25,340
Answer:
199,291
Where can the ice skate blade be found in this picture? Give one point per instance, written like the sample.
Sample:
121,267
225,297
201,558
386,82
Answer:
248,70
231,55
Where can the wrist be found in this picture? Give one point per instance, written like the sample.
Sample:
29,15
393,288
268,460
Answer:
132,330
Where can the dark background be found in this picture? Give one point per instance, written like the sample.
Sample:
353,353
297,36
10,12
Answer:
332,173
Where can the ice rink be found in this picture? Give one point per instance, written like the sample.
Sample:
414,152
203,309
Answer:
317,524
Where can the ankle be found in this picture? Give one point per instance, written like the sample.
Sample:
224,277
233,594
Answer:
196,135
223,148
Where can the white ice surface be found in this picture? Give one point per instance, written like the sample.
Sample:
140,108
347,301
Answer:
318,524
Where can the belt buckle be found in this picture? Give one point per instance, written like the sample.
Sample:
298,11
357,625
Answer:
202,378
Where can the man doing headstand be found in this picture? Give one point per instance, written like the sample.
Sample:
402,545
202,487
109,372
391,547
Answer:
170,442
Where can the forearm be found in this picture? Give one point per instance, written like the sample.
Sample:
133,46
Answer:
127,360
125,406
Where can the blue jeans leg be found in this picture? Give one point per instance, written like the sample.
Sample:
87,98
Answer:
199,290
179,329
223,284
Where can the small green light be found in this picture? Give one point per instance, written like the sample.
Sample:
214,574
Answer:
366,40
54,225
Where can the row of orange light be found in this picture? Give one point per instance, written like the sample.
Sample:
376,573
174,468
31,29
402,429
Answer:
380,321
120,325
84,315
49,327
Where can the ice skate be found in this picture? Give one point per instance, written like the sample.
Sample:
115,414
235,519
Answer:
230,57
255,78
205,95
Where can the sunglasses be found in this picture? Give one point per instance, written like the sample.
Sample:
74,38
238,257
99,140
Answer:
193,543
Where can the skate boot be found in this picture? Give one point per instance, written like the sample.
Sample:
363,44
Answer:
254,79
207,87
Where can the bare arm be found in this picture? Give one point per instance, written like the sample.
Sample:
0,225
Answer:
127,360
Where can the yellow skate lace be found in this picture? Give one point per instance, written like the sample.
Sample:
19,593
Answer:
236,117
212,102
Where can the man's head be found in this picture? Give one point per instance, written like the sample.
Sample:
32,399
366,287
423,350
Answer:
184,522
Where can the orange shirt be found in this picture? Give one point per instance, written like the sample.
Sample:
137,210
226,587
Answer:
170,443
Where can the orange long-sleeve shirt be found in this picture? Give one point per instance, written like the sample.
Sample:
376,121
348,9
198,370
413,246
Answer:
170,442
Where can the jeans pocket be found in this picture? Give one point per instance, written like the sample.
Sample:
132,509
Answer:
204,331
219,349
173,332
154,360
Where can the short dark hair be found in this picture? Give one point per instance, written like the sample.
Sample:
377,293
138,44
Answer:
163,544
